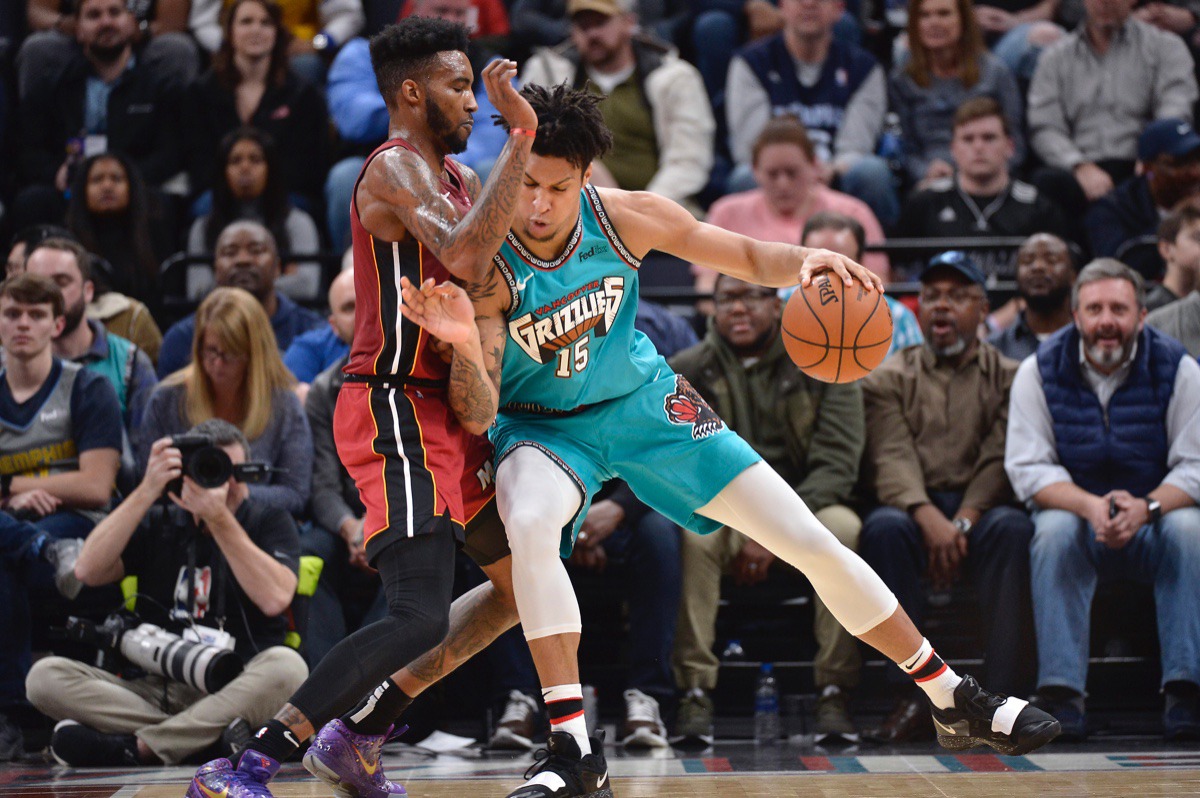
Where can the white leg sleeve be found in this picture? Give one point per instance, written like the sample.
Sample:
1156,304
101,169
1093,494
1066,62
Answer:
536,500
760,505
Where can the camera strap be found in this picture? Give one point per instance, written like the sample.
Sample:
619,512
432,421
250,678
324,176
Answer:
216,596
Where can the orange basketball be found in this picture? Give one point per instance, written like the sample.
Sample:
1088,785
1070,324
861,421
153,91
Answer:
835,332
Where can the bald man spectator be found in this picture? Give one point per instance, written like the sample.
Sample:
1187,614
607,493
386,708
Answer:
246,257
316,350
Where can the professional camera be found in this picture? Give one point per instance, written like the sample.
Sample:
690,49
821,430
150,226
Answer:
209,466
155,650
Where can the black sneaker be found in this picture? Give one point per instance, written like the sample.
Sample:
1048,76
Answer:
76,745
560,772
234,738
973,719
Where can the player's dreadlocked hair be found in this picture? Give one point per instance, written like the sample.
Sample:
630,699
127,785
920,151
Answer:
570,125
405,50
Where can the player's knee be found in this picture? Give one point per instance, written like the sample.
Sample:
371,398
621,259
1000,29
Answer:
530,535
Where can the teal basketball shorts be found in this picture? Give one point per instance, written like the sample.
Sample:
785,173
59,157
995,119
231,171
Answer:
663,439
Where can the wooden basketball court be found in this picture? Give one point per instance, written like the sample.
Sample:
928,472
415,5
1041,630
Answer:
731,770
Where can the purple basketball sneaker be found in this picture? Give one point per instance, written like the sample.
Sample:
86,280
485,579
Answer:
349,762
219,779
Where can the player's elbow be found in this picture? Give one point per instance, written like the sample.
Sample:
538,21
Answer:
471,267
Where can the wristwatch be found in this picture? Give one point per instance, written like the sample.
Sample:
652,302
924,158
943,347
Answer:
1155,509
963,525
322,43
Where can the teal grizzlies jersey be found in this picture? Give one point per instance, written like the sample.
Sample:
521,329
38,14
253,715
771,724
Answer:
571,340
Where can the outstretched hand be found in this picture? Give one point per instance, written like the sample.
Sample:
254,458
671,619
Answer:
498,81
444,311
818,261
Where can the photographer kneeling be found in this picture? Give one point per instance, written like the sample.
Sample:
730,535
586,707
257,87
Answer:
236,559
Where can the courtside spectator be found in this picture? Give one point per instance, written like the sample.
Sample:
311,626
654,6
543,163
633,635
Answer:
1179,242
936,417
316,350
1104,441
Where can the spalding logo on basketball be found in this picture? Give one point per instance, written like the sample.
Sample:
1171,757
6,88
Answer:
836,332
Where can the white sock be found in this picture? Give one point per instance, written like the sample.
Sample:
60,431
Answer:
932,675
564,705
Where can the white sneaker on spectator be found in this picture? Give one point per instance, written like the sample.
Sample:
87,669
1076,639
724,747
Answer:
514,732
643,724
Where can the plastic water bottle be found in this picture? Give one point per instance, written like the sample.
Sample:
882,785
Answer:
766,707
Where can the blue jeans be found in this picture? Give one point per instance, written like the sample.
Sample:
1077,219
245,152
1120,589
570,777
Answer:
339,186
715,36
1067,564
18,583
997,564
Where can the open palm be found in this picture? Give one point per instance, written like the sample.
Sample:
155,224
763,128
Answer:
443,310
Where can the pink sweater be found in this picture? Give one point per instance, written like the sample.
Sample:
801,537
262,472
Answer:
749,214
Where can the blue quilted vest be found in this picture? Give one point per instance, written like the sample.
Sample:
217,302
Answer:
1125,448
820,107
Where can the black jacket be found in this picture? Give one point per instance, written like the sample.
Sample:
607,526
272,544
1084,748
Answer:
294,115
143,121
1123,224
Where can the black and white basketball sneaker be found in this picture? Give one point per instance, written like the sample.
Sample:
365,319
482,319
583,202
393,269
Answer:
1009,725
560,772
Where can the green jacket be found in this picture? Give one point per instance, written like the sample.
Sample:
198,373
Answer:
811,432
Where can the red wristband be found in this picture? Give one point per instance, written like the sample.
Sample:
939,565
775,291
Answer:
522,131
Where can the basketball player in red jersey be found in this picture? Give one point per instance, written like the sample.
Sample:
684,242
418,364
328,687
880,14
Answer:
415,213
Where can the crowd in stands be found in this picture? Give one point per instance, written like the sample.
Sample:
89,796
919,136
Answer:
176,192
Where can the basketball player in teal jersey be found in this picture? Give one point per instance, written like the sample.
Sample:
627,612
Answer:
584,398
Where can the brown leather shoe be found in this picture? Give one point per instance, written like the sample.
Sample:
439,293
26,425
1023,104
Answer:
910,720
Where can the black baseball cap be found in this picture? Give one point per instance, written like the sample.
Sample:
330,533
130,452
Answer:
958,261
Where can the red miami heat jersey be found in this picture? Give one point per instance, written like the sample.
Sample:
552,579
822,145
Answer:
385,343
393,426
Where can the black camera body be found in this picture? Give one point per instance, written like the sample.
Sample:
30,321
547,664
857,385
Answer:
207,464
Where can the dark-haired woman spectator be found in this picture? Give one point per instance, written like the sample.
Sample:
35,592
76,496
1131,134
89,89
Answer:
236,374
250,186
113,215
947,64
250,84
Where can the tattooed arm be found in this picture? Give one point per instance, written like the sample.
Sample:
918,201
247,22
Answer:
475,330
400,193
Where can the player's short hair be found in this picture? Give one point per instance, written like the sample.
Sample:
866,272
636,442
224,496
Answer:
981,108
785,129
83,259
34,289
570,125
829,220
407,49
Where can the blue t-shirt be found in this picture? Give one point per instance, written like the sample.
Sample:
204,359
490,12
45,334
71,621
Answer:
289,321
95,412
313,352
